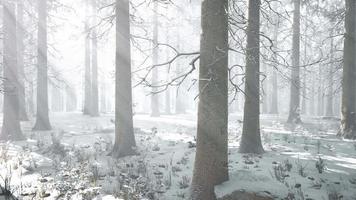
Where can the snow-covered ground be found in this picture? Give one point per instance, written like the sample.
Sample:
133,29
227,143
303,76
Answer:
72,162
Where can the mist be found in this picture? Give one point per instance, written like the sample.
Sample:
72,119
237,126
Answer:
169,100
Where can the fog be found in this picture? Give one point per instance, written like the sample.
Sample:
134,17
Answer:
168,99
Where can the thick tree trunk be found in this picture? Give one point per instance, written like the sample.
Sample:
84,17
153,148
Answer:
87,110
294,107
251,137
211,162
124,136
154,96
94,85
20,60
42,118
348,110
11,129
330,95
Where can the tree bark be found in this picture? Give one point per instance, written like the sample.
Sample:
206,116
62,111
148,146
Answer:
20,60
348,125
124,136
211,161
42,118
94,85
11,129
251,137
294,106
87,110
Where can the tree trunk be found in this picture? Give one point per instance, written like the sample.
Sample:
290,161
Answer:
274,79
42,118
251,137
103,97
294,107
94,85
348,125
124,136
329,100
87,110
154,96
312,94
211,161
20,61
11,129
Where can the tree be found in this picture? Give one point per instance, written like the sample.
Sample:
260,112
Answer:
11,129
330,94
274,79
42,118
251,137
154,96
294,107
124,136
94,59
348,108
210,167
87,78
20,60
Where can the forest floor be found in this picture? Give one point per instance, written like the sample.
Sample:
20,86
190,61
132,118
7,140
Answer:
72,162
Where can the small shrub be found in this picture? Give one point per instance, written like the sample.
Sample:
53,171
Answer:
320,165
184,182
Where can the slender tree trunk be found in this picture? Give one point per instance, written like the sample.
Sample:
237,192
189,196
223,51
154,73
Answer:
251,137
31,104
11,129
20,60
348,124
124,136
294,107
154,96
42,118
330,95
274,79
102,97
168,91
87,73
312,94
94,86
211,162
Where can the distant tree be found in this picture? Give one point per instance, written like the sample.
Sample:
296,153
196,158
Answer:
20,60
124,136
11,129
94,60
348,110
87,110
251,137
294,105
211,161
42,118
274,78
331,68
155,112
